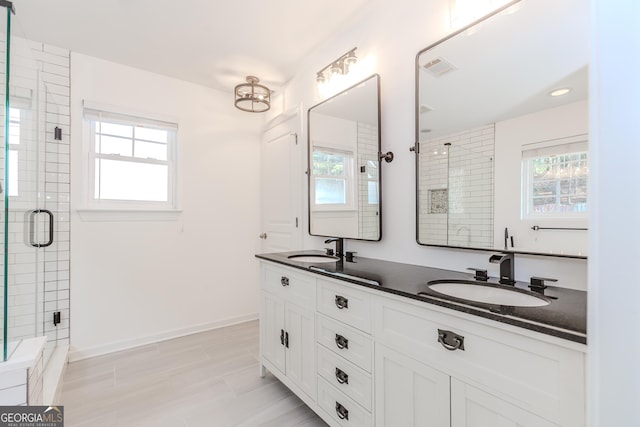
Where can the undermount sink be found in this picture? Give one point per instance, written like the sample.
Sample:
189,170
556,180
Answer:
313,258
488,293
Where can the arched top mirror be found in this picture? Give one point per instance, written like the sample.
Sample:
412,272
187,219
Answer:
502,132
344,164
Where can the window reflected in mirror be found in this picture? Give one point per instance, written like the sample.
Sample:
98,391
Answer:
555,181
344,166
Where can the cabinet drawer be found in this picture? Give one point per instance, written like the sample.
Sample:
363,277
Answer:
289,284
341,408
345,376
535,375
346,304
345,341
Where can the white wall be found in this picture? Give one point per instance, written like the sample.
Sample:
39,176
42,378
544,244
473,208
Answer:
388,36
134,281
614,289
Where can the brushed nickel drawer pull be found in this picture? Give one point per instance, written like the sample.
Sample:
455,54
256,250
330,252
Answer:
450,340
341,376
342,342
342,302
343,413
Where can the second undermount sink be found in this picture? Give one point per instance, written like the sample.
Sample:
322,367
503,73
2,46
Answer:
488,293
313,258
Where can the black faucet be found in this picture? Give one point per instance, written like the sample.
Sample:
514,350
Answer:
339,245
507,268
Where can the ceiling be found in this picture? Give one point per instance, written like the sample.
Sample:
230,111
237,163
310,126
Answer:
506,67
215,43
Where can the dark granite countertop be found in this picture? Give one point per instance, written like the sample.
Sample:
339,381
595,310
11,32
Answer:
565,317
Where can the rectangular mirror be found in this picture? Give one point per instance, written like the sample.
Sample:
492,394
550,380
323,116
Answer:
344,164
502,132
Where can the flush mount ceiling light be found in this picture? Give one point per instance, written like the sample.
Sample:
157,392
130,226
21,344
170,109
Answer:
560,92
338,67
253,97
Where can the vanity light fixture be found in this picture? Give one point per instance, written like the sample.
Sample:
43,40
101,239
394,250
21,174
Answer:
252,96
338,67
560,92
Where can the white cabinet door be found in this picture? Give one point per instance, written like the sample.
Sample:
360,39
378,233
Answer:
409,393
471,407
272,330
300,343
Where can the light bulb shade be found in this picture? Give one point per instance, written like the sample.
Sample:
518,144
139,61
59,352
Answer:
252,97
351,58
336,68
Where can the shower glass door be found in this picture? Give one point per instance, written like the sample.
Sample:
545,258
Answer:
25,226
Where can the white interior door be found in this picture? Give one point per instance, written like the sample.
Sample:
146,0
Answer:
281,190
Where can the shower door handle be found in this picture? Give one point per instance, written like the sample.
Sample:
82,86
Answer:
32,223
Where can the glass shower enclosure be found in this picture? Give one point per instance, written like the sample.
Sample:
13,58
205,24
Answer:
29,132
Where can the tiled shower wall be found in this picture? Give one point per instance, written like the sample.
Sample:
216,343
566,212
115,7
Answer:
367,152
39,279
456,188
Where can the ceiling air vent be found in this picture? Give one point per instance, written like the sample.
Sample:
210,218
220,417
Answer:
424,108
438,67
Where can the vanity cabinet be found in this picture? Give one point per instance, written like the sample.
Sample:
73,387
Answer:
483,375
359,356
287,327
345,353
473,407
409,393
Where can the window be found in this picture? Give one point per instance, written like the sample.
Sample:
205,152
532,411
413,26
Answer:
131,161
333,179
555,181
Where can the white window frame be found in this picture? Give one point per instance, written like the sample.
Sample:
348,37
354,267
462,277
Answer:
563,146
92,113
348,177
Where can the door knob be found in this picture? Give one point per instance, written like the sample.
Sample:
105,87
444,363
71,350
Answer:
263,236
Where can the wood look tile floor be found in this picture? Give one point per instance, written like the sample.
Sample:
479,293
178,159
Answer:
206,379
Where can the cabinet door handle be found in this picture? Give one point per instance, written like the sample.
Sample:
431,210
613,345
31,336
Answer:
450,340
284,281
343,413
286,339
342,302
341,376
342,342
282,336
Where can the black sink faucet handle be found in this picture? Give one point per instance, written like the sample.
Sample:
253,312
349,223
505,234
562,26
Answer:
348,255
328,251
537,283
480,274
339,245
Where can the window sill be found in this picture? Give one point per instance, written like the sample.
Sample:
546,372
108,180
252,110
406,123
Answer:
129,214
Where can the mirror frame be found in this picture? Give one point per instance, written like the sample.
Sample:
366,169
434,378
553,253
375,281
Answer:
416,147
379,160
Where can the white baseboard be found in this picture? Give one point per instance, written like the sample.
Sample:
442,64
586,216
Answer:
100,350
